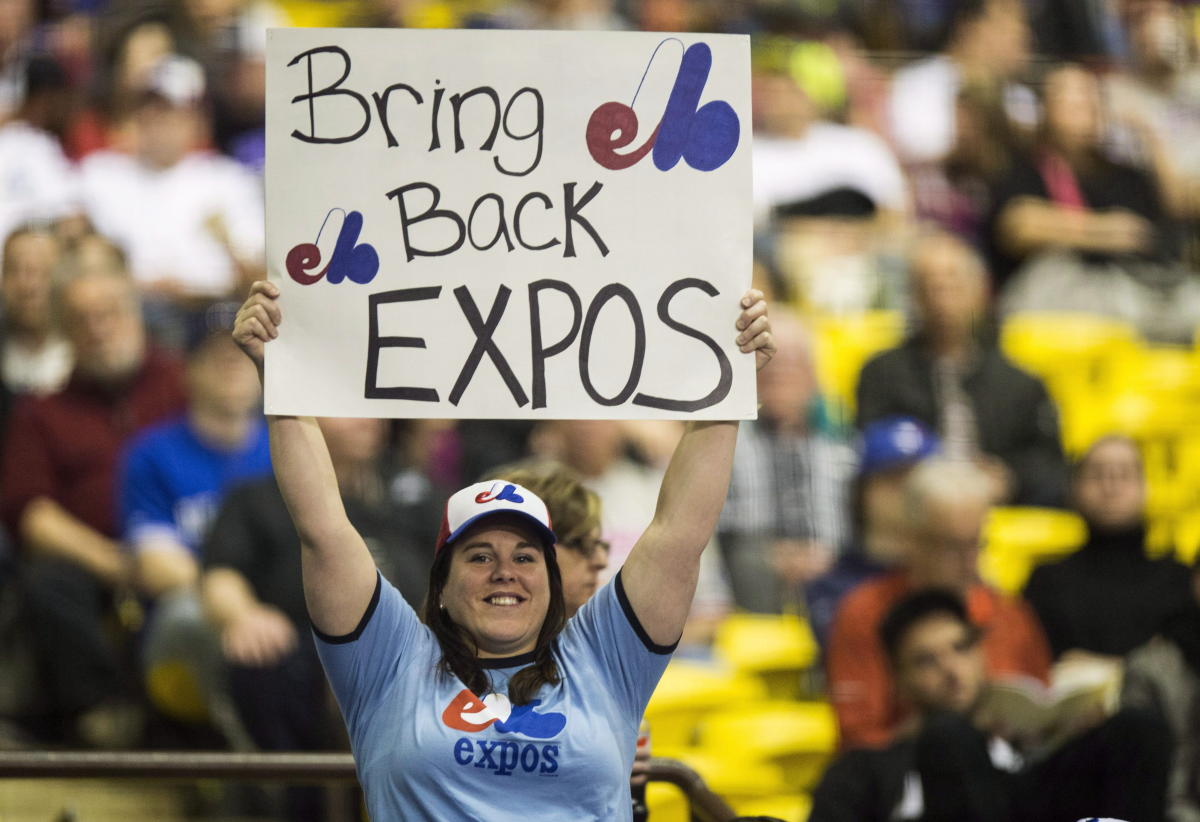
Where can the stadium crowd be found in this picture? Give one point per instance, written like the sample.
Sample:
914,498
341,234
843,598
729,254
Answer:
976,221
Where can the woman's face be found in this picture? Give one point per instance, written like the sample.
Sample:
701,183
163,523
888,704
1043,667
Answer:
581,571
1073,111
498,588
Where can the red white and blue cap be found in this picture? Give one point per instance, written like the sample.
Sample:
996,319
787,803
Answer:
485,499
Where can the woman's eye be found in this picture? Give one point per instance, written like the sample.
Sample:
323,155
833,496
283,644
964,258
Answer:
477,558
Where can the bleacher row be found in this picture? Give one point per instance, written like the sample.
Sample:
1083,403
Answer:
753,722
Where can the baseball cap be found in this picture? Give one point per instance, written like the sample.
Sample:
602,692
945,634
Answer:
176,79
893,442
485,499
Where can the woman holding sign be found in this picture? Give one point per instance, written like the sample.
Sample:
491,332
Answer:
493,705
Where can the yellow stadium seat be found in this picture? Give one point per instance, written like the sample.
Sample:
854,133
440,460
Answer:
173,688
1018,538
798,737
317,13
667,803
778,649
843,344
788,807
1187,538
689,691
1054,344
733,778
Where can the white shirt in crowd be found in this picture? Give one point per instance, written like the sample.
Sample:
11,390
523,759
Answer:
41,370
922,108
165,218
37,181
829,156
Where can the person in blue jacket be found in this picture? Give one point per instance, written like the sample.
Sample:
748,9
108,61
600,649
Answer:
495,705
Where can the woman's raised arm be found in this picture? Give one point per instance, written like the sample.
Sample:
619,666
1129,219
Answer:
660,574
339,573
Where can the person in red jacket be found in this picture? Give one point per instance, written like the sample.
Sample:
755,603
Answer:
58,478
948,503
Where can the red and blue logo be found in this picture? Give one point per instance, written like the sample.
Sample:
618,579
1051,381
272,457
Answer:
351,260
703,136
508,492
470,714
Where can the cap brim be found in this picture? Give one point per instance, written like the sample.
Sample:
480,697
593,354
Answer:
548,538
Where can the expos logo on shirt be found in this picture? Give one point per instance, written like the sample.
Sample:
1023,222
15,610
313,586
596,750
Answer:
503,757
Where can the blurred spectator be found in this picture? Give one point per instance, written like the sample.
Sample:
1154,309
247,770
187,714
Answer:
798,153
59,499
1109,596
172,477
34,356
947,502
956,193
1158,101
1088,233
174,474
901,25
17,18
469,448
251,582
124,75
1081,29
601,453
988,46
830,193
667,15
37,182
575,513
950,765
786,515
890,448
598,450
1164,675
952,376
583,15
190,220
229,38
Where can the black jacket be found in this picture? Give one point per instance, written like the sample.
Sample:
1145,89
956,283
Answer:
1016,419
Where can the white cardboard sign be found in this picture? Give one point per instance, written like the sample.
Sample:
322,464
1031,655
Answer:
496,224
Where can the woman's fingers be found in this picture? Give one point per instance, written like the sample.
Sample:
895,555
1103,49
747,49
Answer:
251,328
754,327
753,330
265,287
263,317
751,297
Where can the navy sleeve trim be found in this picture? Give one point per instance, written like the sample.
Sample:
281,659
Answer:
662,650
362,623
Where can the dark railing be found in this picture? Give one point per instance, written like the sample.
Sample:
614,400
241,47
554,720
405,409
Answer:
290,767
182,765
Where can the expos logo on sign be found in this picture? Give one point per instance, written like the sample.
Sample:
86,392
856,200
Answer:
470,714
358,262
704,136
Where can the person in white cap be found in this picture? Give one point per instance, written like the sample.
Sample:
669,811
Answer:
497,706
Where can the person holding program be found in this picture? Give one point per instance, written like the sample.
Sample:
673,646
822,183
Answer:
497,703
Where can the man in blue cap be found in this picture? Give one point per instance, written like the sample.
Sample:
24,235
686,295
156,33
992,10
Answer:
888,450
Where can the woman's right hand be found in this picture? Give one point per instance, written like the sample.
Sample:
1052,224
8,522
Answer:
258,320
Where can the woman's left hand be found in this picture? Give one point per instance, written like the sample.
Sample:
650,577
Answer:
754,328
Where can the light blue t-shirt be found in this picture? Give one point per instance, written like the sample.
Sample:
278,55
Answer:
426,748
